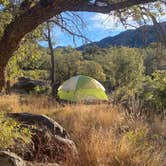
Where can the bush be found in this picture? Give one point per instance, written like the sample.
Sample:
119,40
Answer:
154,93
42,90
10,130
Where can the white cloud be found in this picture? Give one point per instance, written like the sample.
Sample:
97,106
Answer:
162,18
106,22
103,21
109,22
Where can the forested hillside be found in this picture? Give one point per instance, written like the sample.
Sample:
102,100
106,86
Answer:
139,38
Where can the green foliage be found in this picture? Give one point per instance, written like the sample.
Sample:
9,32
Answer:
154,93
137,137
66,63
36,74
10,130
5,18
140,14
154,58
127,66
28,61
42,90
69,62
127,73
5,2
124,69
92,69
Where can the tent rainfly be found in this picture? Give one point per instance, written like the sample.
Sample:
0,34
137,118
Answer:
82,88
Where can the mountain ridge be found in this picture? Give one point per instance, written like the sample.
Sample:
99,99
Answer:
139,38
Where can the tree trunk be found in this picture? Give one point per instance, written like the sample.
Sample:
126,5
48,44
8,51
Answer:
2,77
3,64
53,81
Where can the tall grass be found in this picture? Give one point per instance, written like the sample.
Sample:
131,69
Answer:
103,133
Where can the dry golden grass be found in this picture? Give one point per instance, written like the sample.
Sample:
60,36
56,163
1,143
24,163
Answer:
104,134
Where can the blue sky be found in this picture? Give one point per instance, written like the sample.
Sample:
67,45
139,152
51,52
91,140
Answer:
98,26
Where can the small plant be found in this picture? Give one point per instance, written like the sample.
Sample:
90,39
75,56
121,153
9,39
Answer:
11,130
137,137
42,90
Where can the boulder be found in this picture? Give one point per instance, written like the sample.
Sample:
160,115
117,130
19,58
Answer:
50,141
10,159
26,84
42,121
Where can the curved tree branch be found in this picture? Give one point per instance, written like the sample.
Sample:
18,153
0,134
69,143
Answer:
110,6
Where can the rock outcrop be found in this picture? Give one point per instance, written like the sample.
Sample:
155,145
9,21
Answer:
40,120
50,141
26,84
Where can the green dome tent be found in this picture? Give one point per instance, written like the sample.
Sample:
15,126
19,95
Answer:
82,88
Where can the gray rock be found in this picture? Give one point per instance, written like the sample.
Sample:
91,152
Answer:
27,85
10,159
42,121
50,141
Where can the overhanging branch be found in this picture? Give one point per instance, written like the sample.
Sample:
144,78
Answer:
110,7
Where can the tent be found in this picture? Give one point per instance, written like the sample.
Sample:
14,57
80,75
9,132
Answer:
82,88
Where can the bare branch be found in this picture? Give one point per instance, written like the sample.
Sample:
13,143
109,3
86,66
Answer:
68,30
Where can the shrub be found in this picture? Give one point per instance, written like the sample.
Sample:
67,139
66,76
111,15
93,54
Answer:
154,93
42,90
11,130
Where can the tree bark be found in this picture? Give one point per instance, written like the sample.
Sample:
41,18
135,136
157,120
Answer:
54,94
3,64
2,77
